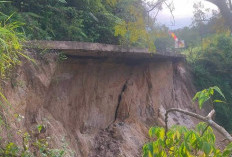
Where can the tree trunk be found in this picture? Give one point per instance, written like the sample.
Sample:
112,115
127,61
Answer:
225,11
230,3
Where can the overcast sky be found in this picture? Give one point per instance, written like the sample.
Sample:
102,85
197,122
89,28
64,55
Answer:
183,13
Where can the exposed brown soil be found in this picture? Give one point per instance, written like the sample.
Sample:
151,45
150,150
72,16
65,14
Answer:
101,107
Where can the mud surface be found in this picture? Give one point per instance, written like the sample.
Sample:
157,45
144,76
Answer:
101,107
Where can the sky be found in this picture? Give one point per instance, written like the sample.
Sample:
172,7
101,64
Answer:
183,13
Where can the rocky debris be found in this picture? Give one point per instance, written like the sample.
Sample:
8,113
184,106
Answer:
107,143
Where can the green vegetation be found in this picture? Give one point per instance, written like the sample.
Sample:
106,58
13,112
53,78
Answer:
29,148
10,52
209,54
211,64
104,21
183,142
61,20
126,22
9,46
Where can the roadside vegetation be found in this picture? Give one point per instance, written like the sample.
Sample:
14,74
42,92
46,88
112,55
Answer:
209,54
188,142
10,57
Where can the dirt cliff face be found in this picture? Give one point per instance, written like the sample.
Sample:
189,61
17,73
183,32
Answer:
101,107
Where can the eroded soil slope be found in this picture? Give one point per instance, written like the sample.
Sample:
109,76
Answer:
100,107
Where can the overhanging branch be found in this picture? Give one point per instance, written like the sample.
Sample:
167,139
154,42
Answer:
207,119
156,5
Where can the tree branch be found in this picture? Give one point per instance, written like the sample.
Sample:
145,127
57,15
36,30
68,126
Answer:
207,119
230,4
225,11
210,115
156,5
171,11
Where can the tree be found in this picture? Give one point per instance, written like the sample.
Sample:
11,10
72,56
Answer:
225,7
79,20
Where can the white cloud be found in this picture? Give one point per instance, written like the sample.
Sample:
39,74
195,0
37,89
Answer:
183,12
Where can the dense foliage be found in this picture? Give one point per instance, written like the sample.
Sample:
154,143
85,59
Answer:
208,51
211,64
9,46
103,21
124,22
183,142
80,20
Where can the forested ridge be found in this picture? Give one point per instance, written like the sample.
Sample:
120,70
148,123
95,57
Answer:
81,20
104,21
208,51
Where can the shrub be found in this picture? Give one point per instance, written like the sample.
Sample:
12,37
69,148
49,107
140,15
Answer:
211,64
180,141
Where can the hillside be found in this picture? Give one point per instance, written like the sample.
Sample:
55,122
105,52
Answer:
100,106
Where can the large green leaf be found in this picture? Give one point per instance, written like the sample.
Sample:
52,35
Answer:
206,94
206,148
216,88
